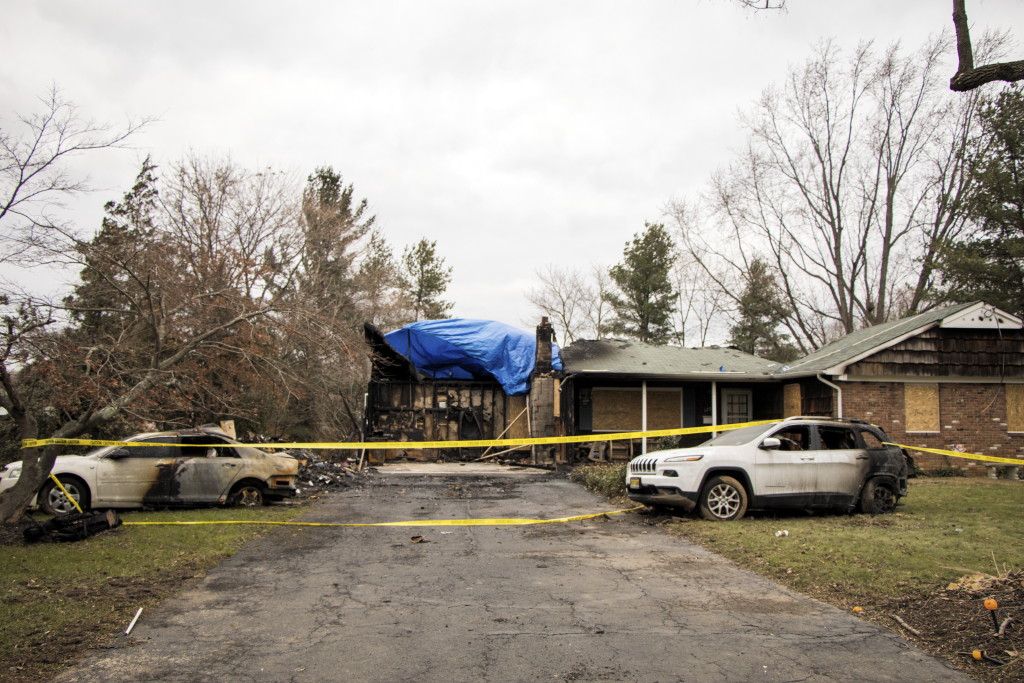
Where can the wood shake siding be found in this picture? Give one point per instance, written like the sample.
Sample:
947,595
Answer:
933,369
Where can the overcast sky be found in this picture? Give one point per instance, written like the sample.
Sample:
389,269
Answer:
516,134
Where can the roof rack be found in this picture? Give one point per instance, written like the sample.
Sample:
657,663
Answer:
851,420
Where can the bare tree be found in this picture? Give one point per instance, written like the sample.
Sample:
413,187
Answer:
563,297
35,178
852,175
968,76
576,302
169,289
763,4
598,306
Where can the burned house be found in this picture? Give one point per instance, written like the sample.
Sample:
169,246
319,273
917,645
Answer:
951,379
460,380
483,380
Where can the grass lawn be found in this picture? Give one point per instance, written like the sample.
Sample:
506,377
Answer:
58,598
910,565
947,528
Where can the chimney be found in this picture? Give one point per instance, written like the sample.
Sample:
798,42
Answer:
542,364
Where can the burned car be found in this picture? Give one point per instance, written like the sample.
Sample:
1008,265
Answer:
189,467
798,463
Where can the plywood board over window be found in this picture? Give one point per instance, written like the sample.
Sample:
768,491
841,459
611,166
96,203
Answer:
621,410
921,407
1014,407
791,400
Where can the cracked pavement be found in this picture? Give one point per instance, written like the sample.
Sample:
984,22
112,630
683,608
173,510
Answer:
606,599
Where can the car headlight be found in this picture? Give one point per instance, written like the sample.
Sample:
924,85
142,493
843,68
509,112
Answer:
12,473
683,458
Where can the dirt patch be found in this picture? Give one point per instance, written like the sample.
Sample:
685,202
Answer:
42,653
954,623
14,534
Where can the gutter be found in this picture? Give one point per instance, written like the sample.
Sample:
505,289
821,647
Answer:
839,394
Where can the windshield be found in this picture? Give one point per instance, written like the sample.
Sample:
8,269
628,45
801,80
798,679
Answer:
738,437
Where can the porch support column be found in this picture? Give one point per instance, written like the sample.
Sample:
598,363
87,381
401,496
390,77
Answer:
714,404
643,415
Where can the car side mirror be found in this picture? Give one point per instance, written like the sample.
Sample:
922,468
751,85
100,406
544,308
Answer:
118,454
771,443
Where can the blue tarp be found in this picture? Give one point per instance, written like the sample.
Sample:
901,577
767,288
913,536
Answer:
460,348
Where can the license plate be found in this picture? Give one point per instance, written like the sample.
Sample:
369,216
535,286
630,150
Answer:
634,482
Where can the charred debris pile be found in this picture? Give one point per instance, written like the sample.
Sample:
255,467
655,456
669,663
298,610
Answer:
327,471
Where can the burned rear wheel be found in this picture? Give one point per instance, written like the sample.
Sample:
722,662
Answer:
877,498
52,500
723,499
246,495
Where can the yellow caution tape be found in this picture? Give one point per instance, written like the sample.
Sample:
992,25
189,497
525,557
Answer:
508,521
959,454
65,492
389,445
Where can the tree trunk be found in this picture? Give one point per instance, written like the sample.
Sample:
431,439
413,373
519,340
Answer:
967,77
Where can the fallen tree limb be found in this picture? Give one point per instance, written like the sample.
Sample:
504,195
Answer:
907,626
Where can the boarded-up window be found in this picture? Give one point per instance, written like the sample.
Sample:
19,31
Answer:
921,407
620,410
791,400
1015,407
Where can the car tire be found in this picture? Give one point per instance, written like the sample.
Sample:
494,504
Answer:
723,499
53,502
877,498
246,495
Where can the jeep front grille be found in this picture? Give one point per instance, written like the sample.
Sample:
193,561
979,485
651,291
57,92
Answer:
643,466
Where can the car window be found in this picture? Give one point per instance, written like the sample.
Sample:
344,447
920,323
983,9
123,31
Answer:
154,451
871,439
202,449
837,438
794,438
736,437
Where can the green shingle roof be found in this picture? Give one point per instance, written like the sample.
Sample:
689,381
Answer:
632,358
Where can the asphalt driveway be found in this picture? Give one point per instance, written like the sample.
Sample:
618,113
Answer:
607,599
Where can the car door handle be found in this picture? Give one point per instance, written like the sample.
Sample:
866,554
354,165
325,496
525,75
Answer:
163,464
810,459
862,457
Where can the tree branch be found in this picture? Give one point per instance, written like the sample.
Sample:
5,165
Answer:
967,76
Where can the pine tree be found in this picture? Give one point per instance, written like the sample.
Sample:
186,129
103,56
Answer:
120,249
333,225
644,300
990,265
761,309
426,279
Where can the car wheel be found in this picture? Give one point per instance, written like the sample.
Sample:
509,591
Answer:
52,500
723,499
247,495
877,498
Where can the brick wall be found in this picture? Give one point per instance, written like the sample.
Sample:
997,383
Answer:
972,417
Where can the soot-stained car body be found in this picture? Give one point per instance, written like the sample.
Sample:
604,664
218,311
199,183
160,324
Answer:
797,463
188,467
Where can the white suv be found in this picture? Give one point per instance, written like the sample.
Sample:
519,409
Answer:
799,462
